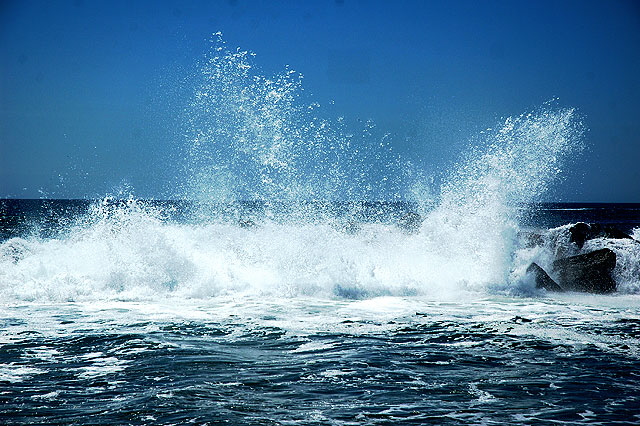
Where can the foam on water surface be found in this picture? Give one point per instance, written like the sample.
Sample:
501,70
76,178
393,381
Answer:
255,357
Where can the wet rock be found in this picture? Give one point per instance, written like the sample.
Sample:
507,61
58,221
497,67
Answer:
589,272
582,232
542,279
410,222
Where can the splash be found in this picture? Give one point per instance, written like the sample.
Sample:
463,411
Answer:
516,163
479,212
130,250
255,138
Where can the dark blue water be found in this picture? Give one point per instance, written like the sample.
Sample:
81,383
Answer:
624,216
24,216
438,366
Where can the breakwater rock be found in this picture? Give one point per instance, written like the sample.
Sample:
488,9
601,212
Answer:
582,257
582,232
590,273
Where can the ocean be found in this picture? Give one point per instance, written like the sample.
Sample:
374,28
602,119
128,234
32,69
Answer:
277,291
134,312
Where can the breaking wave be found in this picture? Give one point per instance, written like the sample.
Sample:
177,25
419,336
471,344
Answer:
253,139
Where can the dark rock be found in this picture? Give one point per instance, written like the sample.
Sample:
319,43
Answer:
410,222
589,272
543,280
582,232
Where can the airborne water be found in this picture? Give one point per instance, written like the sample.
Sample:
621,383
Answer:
280,290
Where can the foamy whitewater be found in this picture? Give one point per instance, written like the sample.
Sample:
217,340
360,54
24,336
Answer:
278,291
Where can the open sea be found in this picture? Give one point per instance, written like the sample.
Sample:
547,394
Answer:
133,312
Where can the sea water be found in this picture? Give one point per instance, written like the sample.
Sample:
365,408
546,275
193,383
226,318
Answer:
278,291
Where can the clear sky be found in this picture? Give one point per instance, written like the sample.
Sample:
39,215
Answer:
92,92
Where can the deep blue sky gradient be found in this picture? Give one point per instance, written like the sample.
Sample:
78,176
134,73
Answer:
92,92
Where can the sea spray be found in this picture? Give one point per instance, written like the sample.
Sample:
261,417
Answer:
556,243
296,186
258,138
130,249
117,249
478,215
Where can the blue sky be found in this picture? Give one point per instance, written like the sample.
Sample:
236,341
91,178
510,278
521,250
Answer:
92,93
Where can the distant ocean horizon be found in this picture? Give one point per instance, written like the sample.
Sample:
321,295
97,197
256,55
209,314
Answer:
20,215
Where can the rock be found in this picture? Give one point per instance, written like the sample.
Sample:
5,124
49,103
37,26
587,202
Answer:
543,280
589,272
410,222
582,232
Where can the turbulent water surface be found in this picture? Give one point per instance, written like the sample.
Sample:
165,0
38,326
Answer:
133,319
267,295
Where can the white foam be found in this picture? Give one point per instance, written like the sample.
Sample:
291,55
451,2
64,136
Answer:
15,373
101,366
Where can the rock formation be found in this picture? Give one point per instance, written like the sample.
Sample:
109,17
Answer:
543,280
590,272
582,232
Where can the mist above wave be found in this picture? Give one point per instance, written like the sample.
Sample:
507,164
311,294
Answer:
255,137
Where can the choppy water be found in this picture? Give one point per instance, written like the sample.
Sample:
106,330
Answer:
573,360
302,307
134,319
